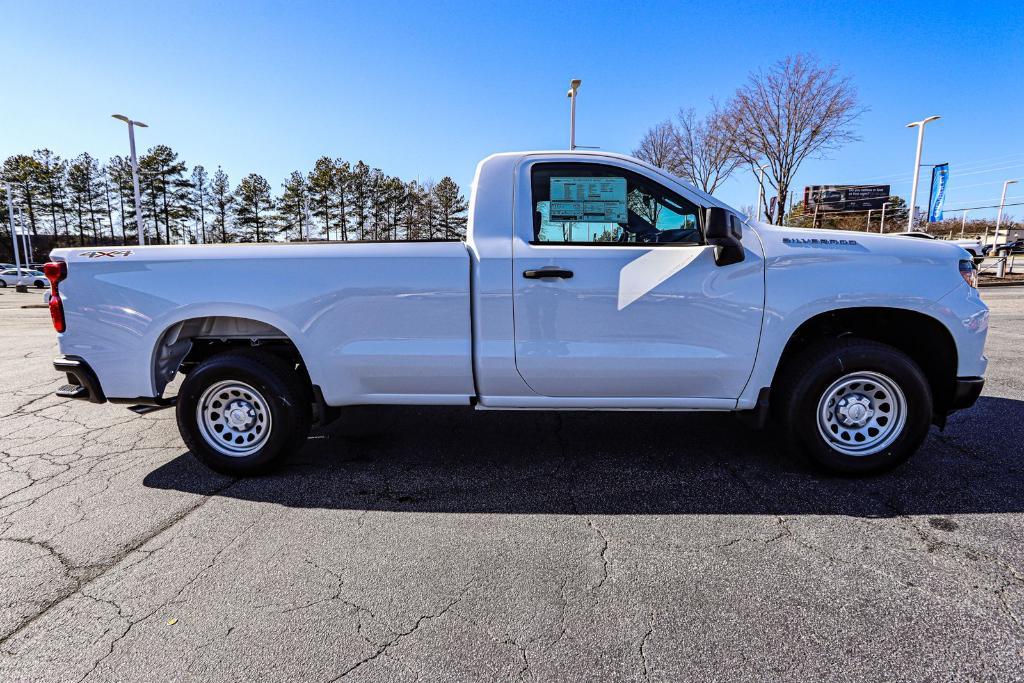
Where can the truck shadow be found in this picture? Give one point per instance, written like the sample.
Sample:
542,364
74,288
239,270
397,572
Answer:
455,460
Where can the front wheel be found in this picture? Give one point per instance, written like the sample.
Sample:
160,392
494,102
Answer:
855,406
243,412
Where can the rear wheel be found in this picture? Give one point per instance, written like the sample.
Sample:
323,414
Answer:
855,406
39,284
3,283
243,412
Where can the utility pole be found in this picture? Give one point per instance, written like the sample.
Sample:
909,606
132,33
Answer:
574,85
868,228
917,165
1001,268
963,224
135,174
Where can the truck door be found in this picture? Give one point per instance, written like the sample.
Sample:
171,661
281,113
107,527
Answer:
616,294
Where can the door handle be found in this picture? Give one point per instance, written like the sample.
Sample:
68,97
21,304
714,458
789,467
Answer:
547,272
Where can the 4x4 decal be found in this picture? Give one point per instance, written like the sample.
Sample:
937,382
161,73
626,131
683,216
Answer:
109,253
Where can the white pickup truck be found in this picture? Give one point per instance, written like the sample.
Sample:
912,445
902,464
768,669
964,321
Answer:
588,281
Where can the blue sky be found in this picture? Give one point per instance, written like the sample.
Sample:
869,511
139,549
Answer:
427,89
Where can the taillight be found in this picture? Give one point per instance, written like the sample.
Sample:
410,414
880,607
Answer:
968,272
55,272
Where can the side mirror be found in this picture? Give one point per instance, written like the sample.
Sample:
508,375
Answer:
722,229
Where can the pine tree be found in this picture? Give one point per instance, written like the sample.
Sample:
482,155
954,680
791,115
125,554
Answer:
413,209
357,195
106,185
342,171
428,211
200,190
322,184
82,187
377,204
119,172
169,187
395,204
23,173
253,204
291,207
451,209
221,202
53,173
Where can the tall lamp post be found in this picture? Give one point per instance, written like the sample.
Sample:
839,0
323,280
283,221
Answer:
917,165
135,174
14,232
881,227
760,191
574,85
1001,268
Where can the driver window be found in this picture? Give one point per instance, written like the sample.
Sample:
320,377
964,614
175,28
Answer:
595,204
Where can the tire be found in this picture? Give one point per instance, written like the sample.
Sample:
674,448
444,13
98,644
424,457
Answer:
39,284
854,406
3,283
268,412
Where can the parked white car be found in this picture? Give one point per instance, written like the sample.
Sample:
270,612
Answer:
31,278
588,281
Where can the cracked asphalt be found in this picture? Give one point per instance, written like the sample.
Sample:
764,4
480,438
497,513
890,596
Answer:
447,545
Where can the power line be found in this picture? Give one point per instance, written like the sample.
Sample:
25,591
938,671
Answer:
968,165
972,208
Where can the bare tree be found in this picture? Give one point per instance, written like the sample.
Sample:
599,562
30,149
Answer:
797,109
658,146
705,152
698,150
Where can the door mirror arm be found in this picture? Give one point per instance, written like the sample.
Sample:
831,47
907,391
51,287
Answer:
722,229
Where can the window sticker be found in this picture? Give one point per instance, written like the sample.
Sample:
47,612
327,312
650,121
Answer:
588,200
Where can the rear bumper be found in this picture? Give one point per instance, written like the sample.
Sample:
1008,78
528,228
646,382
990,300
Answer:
82,381
966,392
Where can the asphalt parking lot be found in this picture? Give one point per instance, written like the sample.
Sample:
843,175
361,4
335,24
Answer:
503,546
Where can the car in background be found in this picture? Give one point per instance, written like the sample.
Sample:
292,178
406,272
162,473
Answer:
31,278
972,246
1014,247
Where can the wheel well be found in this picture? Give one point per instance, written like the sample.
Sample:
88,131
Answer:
188,343
923,338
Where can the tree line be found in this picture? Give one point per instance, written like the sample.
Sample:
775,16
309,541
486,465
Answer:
84,201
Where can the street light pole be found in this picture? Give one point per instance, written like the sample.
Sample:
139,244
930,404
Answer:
881,227
574,85
963,224
14,233
26,245
760,191
868,228
917,165
1001,268
135,174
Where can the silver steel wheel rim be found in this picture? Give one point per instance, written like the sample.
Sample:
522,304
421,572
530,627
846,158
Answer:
233,418
861,413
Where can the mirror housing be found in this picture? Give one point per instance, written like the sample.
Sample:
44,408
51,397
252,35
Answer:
722,229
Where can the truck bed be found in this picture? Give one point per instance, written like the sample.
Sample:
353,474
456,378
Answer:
374,323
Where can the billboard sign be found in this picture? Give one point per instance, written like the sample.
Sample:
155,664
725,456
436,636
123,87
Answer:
846,197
